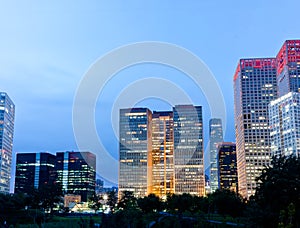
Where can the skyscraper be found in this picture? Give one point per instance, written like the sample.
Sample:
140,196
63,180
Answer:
188,150
135,147
254,88
7,116
288,67
33,170
227,166
215,137
284,118
162,153
76,173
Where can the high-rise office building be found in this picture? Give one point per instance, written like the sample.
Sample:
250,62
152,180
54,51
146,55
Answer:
34,170
135,147
7,116
188,150
162,153
284,121
227,166
76,173
288,67
215,137
254,88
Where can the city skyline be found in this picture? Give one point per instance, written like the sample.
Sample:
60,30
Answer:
48,48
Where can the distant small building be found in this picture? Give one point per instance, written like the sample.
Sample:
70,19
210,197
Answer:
99,186
69,198
82,207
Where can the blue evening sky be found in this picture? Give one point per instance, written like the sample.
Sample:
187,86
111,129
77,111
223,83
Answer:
46,48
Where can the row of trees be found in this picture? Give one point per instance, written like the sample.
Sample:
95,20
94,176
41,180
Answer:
140,212
275,204
20,208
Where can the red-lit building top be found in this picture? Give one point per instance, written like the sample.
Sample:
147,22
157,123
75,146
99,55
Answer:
289,52
256,63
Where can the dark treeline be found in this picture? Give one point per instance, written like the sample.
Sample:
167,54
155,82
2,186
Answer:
275,204
29,208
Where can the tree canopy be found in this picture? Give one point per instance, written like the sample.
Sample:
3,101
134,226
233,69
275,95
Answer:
278,192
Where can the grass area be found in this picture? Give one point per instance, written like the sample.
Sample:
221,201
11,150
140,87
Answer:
66,222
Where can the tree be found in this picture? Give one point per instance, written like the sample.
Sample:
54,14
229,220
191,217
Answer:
46,197
12,208
127,200
112,200
220,200
150,203
201,204
180,203
50,196
278,192
95,202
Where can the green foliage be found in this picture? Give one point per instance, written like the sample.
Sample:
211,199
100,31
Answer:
220,200
95,202
49,196
150,203
112,200
180,203
12,208
127,201
278,193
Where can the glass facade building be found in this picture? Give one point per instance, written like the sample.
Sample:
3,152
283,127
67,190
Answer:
254,87
7,116
288,67
188,150
227,166
33,170
215,137
135,147
162,154
284,116
76,173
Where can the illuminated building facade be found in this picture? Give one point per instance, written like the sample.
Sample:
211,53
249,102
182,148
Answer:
215,137
7,116
227,166
34,170
76,173
254,88
135,147
188,150
288,67
162,154
284,117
